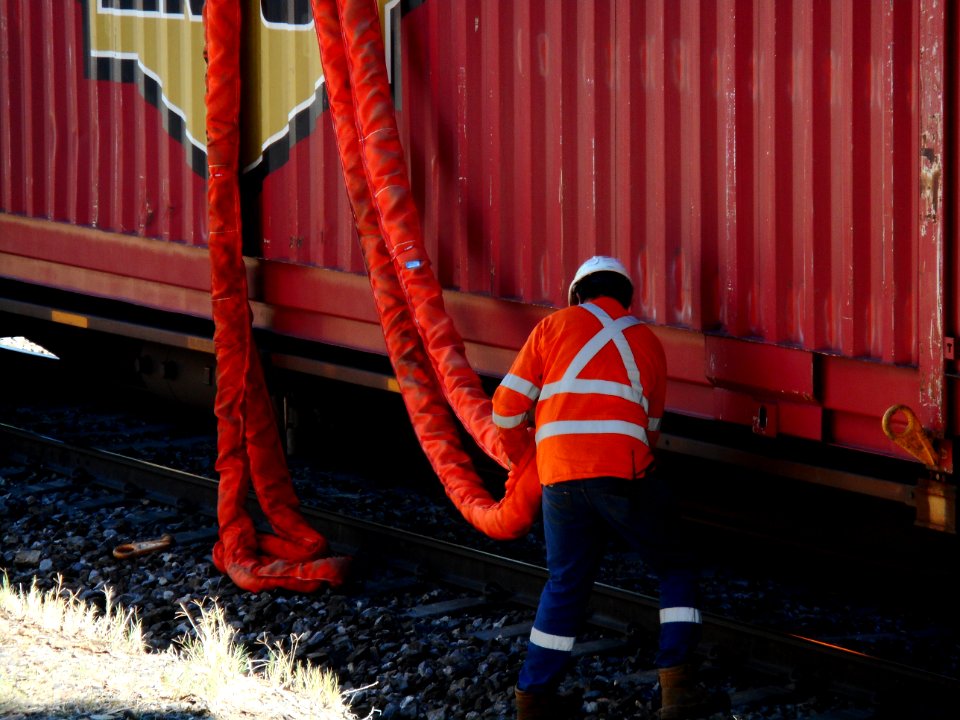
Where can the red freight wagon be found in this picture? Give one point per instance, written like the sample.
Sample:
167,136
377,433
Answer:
779,177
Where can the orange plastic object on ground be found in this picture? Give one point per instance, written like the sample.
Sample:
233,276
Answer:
427,352
249,446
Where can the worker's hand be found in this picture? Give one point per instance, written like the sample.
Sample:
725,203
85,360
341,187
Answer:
529,454
518,444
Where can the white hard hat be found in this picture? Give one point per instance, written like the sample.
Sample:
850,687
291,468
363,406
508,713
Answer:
598,263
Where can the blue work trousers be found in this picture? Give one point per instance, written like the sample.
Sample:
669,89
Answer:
578,518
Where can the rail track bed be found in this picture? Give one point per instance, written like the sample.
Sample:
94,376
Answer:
434,621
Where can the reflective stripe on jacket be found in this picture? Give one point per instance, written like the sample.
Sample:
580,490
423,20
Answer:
597,377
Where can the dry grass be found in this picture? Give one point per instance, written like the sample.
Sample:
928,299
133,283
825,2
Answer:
61,658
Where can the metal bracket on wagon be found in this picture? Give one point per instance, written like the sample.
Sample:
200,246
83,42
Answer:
935,499
914,439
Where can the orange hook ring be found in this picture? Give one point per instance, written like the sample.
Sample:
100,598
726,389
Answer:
914,438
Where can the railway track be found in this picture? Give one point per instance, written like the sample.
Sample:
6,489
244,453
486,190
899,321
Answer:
763,668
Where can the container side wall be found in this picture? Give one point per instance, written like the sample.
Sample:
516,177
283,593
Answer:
753,163
779,177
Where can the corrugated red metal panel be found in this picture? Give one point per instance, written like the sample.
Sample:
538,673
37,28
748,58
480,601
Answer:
86,151
755,162
932,252
952,272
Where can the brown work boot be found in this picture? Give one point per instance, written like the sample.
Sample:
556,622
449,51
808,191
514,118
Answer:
682,698
545,706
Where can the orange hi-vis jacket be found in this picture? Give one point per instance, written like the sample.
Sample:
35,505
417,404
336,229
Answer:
597,377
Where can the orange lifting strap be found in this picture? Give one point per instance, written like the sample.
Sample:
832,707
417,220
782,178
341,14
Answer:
425,349
423,344
249,448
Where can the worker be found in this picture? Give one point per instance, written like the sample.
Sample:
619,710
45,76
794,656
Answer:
594,379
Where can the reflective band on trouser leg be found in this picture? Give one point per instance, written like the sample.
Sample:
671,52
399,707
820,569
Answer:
547,656
680,630
680,620
574,541
551,642
679,615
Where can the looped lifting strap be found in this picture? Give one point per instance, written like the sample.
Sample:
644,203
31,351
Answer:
427,353
249,448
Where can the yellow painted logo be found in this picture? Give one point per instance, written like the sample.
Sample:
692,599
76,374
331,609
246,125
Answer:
158,44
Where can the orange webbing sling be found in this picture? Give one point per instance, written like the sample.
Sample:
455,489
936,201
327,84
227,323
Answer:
422,342
248,440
